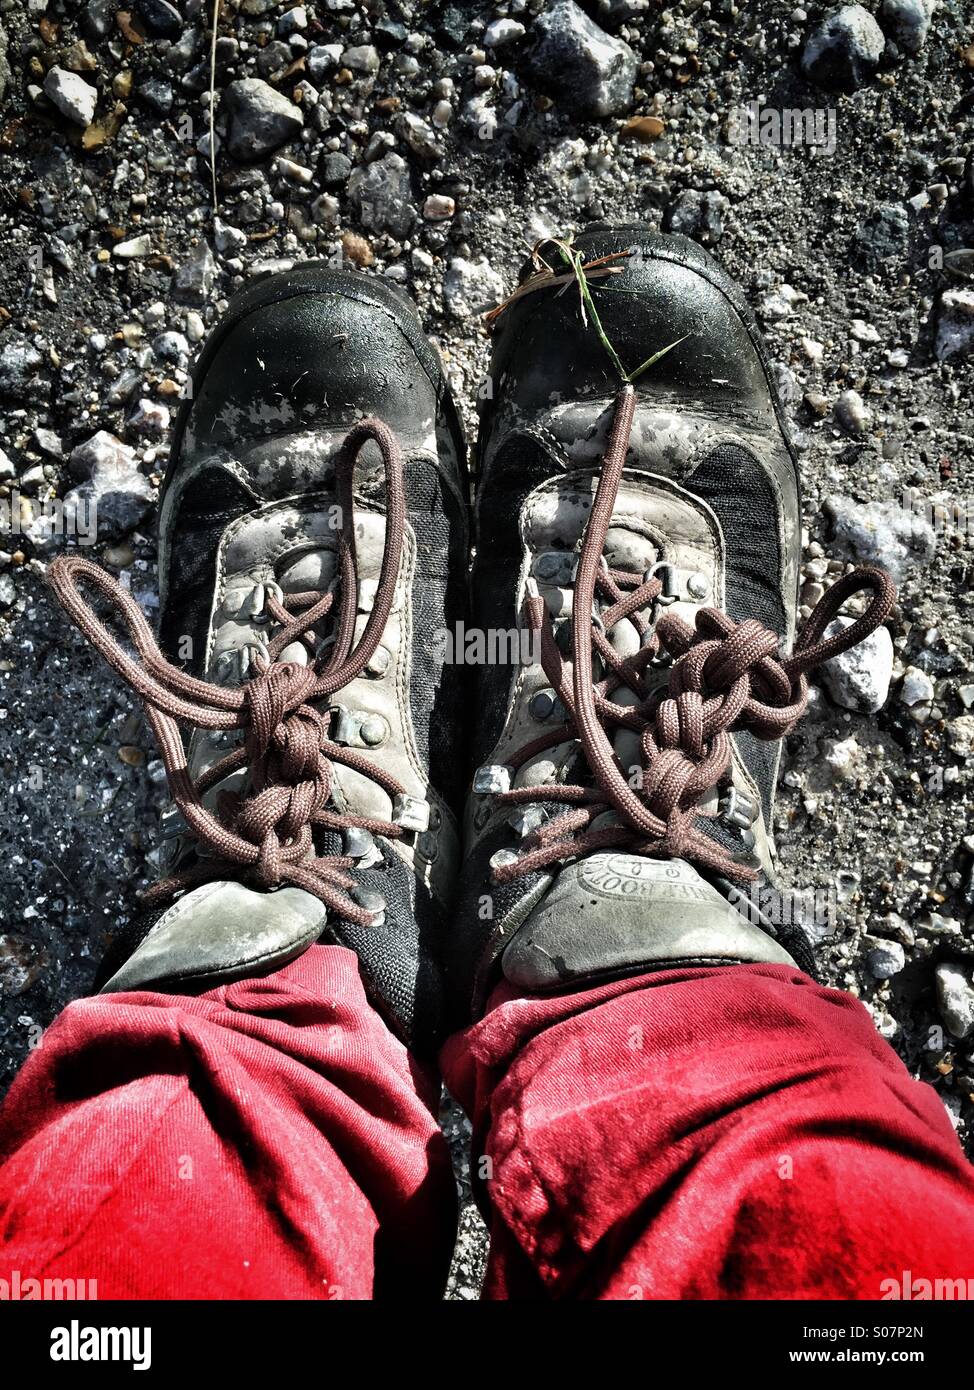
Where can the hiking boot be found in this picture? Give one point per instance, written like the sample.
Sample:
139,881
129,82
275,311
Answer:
312,543
643,529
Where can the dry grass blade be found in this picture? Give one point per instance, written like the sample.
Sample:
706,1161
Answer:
546,277
216,22
581,273
644,366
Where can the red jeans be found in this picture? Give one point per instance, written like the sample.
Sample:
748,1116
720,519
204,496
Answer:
730,1132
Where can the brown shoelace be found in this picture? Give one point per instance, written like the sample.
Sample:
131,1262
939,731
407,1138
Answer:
726,677
265,836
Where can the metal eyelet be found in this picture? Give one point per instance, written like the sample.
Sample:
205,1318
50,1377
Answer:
502,857
374,903
738,809
546,707
410,812
698,586
670,593
526,819
491,779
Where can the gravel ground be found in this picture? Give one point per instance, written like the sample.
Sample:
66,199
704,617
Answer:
434,143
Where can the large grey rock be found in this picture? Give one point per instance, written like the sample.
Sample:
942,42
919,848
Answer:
906,22
471,286
383,195
859,678
884,233
192,282
955,999
955,324
261,120
22,962
113,486
699,215
844,50
882,533
97,17
586,69
19,361
161,18
72,95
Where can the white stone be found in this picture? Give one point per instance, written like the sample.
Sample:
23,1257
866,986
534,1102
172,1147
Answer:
882,533
885,959
907,22
150,417
438,208
134,249
859,678
955,999
72,95
852,413
228,238
322,58
917,687
502,31
841,757
363,58
471,286
863,332
960,735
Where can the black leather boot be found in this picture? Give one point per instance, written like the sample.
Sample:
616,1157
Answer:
649,521
313,542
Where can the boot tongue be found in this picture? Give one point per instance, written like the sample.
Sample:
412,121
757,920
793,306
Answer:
616,914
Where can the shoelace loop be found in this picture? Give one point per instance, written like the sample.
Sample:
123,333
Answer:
726,676
264,836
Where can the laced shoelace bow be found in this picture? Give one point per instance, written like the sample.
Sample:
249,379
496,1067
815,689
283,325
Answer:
725,677
264,836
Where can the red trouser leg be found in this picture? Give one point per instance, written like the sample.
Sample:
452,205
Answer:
707,1133
698,1133
269,1139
